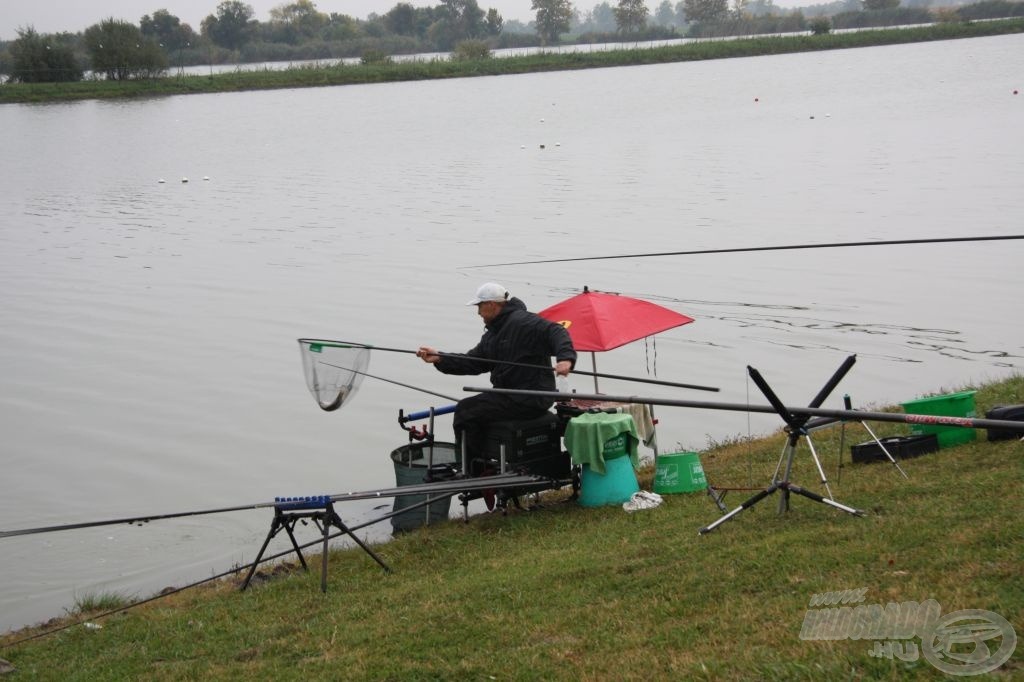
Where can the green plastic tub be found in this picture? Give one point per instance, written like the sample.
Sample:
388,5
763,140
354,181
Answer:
679,472
950,405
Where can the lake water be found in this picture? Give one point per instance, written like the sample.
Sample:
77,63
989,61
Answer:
148,362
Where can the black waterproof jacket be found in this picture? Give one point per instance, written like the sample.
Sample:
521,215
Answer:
516,335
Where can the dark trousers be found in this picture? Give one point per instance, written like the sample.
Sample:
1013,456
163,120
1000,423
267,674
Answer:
475,413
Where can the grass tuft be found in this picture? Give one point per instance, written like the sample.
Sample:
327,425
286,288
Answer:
102,601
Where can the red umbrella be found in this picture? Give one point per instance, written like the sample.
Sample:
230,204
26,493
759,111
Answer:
598,321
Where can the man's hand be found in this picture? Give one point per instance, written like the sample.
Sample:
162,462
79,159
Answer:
428,354
563,367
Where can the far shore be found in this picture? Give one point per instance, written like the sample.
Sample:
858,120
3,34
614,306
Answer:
355,74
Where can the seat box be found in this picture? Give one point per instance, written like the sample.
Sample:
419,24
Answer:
533,446
1013,413
900,447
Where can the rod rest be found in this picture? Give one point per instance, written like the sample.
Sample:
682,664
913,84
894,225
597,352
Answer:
309,502
288,511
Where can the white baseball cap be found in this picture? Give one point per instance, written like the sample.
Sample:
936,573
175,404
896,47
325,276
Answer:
489,292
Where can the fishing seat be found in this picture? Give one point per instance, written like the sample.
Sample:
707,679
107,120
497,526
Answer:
530,446
526,446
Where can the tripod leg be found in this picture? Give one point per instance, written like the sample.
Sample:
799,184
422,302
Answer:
290,527
336,520
325,527
778,467
895,463
842,446
790,449
746,505
817,463
275,526
717,498
818,498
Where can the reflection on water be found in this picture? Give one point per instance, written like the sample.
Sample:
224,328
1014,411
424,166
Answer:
148,362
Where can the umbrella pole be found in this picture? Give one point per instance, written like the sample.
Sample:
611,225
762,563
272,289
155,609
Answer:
593,364
654,435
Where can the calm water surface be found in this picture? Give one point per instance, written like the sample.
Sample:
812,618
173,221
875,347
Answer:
148,361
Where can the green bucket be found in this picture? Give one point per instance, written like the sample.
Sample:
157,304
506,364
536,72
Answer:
679,472
951,405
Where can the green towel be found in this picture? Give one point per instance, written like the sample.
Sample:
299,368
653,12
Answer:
586,435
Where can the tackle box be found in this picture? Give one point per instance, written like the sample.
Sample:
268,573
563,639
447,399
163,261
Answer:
1014,413
900,447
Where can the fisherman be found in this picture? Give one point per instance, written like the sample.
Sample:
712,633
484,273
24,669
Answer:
513,335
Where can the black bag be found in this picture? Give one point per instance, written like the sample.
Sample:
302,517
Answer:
900,447
1014,413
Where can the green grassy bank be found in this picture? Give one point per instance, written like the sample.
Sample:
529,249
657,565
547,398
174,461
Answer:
573,593
406,71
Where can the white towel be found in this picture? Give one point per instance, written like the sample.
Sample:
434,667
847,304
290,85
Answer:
644,422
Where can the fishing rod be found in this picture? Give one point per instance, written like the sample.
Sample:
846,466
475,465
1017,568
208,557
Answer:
599,375
134,520
834,415
455,486
218,576
790,247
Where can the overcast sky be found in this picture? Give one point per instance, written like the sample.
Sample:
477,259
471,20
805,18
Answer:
53,16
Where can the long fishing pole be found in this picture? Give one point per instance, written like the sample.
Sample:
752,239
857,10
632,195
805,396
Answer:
218,576
134,520
459,485
790,247
836,415
599,375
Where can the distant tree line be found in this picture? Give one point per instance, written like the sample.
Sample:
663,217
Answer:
119,50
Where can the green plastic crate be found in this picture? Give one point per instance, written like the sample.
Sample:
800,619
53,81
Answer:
950,405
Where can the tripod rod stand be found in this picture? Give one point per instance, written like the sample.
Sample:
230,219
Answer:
318,509
786,457
796,427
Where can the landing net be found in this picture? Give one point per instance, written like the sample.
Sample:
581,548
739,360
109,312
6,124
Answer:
333,370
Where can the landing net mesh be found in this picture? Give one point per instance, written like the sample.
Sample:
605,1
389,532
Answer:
333,370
